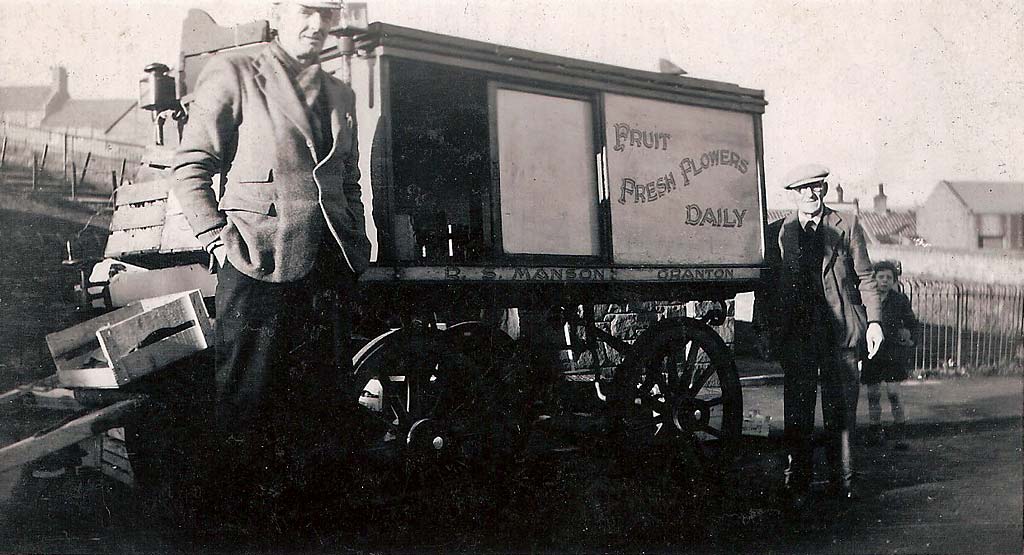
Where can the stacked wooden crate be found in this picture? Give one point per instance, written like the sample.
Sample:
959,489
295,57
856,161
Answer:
148,219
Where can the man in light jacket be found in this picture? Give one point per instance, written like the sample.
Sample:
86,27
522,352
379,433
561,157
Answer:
285,230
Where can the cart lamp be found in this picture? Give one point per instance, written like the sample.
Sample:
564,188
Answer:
156,89
353,22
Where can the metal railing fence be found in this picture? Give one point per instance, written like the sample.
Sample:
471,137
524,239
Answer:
967,326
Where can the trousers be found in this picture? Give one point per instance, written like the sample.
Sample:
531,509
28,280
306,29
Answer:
283,358
807,362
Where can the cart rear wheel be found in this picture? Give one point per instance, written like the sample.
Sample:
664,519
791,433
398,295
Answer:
443,403
679,387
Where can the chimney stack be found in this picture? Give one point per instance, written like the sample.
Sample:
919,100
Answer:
59,83
881,200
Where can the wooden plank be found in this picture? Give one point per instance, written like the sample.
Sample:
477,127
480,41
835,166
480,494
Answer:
114,459
76,341
177,235
123,475
92,447
145,191
133,241
74,431
115,446
128,287
131,216
92,378
57,398
27,389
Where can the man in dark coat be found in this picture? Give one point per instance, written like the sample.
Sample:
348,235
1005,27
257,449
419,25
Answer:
285,229
821,309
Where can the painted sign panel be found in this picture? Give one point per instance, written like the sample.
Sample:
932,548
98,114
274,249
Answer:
683,182
547,174
559,274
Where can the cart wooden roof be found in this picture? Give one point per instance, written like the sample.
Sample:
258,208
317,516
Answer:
386,39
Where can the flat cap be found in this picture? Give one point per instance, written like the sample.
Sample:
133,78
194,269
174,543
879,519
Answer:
804,175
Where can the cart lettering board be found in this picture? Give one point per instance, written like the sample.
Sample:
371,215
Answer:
683,182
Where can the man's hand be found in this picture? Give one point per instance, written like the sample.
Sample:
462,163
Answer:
874,336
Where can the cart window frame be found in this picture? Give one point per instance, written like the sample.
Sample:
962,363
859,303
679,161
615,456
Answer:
603,245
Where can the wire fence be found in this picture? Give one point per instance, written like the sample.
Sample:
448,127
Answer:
74,161
968,327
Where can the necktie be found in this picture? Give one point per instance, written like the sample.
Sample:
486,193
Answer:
809,228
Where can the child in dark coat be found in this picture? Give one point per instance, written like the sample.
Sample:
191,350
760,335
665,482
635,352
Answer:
890,366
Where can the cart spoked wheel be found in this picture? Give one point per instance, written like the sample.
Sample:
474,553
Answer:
679,388
442,404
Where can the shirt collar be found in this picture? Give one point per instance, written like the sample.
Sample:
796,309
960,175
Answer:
804,219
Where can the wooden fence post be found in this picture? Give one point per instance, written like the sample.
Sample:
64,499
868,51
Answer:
124,162
3,158
42,163
113,180
74,178
65,169
85,167
35,171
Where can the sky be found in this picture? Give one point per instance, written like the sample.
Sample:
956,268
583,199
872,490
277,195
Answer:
905,93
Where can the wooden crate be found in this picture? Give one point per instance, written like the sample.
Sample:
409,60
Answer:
113,349
148,219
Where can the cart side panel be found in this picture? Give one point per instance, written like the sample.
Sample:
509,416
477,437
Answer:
683,183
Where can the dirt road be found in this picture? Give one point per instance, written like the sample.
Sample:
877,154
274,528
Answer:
957,489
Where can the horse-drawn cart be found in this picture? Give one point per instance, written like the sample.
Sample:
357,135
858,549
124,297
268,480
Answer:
499,179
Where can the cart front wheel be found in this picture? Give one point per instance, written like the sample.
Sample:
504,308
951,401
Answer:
679,386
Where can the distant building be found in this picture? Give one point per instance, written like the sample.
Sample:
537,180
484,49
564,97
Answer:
974,215
113,119
51,107
27,106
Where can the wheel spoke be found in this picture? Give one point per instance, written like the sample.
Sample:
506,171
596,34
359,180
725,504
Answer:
703,378
691,362
711,430
672,372
713,402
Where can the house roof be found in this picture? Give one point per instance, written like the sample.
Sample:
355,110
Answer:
887,227
98,114
990,197
23,99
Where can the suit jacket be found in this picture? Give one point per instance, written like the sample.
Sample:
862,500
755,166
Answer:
846,275
277,198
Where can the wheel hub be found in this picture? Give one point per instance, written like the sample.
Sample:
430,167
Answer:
691,414
427,435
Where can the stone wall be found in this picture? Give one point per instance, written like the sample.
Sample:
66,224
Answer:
628,321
